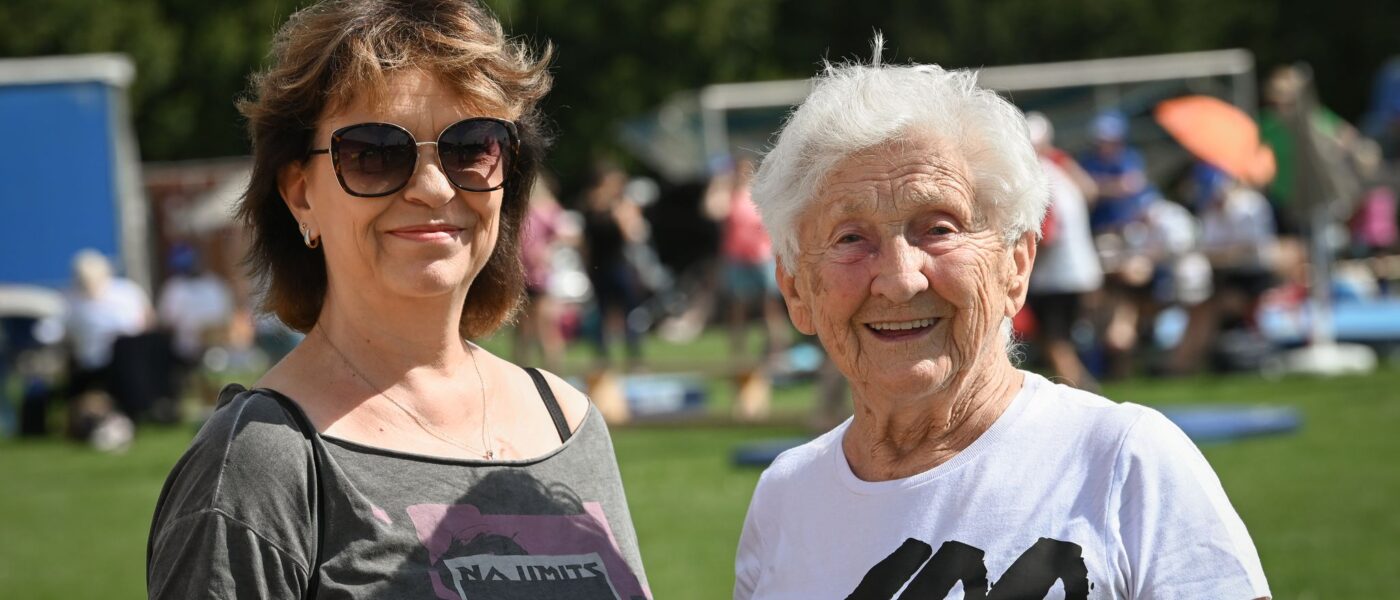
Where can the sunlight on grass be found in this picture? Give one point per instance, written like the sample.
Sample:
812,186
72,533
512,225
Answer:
1318,503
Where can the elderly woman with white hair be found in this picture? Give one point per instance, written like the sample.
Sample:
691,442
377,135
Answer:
904,204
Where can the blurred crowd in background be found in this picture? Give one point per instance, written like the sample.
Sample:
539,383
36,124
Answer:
1135,276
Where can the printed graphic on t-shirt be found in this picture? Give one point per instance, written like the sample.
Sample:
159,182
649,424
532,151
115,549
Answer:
930,574
509,557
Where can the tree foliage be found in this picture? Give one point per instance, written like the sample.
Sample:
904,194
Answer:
192,59
617,58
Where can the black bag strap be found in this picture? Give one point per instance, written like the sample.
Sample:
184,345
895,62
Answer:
551,404
303,424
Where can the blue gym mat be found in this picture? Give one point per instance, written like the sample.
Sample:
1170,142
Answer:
1357,321
762,454
1212,424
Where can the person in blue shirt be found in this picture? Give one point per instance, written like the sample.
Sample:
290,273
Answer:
1119,172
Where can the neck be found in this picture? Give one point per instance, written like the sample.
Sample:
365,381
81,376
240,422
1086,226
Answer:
386,339
892,437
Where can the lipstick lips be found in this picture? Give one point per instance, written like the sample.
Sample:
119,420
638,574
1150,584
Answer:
426,233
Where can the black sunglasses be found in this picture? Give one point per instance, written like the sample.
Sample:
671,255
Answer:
377,159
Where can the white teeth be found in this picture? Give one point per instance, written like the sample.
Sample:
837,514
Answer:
901,325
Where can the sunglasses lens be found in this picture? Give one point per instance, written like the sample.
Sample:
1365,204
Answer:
375,159
476,154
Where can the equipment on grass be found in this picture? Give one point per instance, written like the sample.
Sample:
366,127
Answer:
762,454
1226,423
627,397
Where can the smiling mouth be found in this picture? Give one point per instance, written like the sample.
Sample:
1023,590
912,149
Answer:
900,330
427,234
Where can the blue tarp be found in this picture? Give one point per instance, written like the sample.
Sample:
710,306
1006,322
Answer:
58,190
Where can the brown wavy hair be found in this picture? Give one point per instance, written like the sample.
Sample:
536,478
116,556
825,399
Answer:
336,52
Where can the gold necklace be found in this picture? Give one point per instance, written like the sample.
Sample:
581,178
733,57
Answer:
487,454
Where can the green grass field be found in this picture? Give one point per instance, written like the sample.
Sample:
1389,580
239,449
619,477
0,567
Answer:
1321,504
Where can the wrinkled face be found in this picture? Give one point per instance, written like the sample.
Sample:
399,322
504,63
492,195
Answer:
428,239
898,272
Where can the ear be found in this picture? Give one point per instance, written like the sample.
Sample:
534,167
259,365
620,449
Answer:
291,183
798,309
1022,259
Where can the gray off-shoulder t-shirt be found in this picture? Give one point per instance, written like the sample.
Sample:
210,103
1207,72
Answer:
242,516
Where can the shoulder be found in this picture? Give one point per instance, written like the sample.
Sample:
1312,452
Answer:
799,467
250,461
1154,458
1133,435
1155,439
258,423
1171,523
795,476
572,401
1094,417
234,510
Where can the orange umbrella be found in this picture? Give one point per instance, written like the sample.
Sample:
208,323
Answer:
1220,134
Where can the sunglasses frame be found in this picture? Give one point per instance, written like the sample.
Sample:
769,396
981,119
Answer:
512,134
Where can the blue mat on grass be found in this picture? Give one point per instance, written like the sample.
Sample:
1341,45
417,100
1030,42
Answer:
1206,425
1360,321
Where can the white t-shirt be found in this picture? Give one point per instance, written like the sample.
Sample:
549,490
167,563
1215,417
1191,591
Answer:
1068,264
1242,219
191,305
94,324
1067,495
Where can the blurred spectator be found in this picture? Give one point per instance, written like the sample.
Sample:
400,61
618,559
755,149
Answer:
1382,121
1118,172
194,303
31,355
749,269
1139,236
611,222
539,325
1066,265
1373,225
1042,133
1283,95
1151,266
654,278
93,418
700,280
1239,238
101,308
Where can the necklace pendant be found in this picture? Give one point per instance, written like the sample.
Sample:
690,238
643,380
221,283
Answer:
489,454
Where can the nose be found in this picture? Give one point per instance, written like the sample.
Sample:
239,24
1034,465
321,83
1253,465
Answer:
900,274
429,185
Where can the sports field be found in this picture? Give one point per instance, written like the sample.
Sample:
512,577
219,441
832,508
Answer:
1323,505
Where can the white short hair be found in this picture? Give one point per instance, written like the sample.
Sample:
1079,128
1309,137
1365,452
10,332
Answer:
856,106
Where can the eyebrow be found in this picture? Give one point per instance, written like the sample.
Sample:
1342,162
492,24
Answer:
847,208
929,193
922,198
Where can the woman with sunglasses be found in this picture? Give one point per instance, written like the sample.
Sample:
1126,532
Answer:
394,145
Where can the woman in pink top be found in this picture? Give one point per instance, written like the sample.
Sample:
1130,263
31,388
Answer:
539,321
748,269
